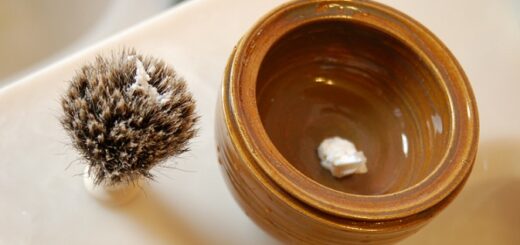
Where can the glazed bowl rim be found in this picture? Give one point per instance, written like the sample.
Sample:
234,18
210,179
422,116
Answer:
461,149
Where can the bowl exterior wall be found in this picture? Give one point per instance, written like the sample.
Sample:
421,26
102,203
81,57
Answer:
284,216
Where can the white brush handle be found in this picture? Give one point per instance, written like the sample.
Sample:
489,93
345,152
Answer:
111,195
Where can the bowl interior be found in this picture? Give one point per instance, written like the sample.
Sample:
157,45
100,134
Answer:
341,78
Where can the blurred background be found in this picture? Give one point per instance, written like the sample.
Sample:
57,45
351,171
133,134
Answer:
35,33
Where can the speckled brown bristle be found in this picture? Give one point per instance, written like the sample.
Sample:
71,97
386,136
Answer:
124,133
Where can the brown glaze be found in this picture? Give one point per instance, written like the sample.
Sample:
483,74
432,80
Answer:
360,84
363,71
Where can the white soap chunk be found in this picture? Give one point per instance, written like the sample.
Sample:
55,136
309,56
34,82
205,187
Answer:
341,157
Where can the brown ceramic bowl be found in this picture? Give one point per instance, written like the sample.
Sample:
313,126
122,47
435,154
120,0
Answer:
356,69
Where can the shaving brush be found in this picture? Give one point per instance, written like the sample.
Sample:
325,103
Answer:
126,113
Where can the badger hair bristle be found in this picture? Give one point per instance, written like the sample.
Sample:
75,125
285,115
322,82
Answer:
127,113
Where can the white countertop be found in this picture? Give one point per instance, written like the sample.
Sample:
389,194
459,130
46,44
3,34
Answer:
44,202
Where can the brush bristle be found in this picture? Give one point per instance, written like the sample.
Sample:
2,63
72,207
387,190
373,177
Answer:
123,132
